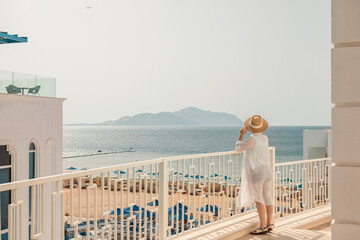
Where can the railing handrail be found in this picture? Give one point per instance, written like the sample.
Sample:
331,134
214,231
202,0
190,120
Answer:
302,161
180,157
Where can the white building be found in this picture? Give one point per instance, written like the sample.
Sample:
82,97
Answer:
316,143
30,142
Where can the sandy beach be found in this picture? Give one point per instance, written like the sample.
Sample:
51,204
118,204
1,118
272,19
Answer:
140,198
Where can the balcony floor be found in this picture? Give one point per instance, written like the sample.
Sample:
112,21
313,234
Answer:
312,224
291,234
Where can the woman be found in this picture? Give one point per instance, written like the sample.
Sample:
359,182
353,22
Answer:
256,181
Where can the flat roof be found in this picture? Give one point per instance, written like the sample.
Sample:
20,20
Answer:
7,38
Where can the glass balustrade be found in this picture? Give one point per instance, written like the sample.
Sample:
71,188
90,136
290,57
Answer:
27,84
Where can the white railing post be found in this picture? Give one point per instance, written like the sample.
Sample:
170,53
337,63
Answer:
163,199
329,177
272,162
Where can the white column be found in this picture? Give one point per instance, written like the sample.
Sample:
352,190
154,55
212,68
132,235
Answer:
163,199
345,172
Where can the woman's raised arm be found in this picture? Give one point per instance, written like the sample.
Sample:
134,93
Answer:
243,145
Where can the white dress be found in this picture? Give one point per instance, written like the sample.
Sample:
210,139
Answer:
256,179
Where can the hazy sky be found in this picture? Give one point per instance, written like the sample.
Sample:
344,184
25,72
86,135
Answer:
125,57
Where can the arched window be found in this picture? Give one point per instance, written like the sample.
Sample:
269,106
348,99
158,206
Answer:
32,152
32,155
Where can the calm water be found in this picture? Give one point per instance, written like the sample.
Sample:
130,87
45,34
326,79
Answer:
154,142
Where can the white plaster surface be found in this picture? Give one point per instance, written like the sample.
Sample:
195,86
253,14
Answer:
346,193
345,21
25,119
346,74
345,231
345,173
345,135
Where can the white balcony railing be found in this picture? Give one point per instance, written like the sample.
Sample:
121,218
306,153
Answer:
301,185
156,199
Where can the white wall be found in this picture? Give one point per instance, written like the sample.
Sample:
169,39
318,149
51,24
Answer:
316,143
25,119
345,118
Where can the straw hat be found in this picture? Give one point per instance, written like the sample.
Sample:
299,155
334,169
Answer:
256,124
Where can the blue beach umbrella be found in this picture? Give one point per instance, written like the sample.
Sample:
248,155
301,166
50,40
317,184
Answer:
121,172
197,176
135,208
153,173
139,170
71,168
286,180
186,208
126,212
152,203
118,212
214,209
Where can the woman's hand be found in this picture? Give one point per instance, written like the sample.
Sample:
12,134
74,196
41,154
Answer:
243,131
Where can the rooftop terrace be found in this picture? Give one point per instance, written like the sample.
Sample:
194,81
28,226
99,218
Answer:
27,84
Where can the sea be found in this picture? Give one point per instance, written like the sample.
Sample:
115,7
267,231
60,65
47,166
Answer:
100,146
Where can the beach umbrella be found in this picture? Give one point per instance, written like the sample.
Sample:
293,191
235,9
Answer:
148,214
118,212
152,203
216,175
121,172
286,180
135,208
176,173
125,211
139,170
197,176
71,168
186,208
227,177
153,173
211,208
83,169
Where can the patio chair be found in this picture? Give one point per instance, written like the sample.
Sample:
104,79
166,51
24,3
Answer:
34,90
11,89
